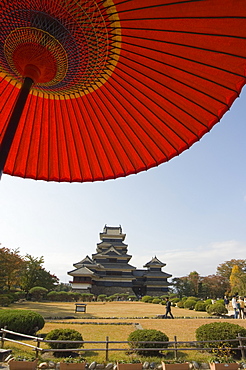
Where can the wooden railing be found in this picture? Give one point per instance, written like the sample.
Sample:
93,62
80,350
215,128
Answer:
175,345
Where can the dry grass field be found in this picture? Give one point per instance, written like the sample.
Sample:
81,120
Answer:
92,324
104,310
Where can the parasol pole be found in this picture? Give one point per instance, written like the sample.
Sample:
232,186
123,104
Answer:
14,121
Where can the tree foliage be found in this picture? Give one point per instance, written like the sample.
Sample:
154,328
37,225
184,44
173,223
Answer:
238,281
225,268
23,272
36,275
12,265
214,286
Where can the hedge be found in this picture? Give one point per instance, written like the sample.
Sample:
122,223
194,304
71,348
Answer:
147,335
21,321
219,331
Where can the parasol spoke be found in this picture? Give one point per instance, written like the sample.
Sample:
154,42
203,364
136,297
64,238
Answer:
13,122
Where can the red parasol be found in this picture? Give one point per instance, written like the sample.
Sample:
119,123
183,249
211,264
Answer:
113,87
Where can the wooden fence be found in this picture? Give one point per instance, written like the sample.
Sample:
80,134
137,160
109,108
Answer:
106,345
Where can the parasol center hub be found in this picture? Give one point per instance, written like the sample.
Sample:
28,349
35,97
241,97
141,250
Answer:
34,53
33,72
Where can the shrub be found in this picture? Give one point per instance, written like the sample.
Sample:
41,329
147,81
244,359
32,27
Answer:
175,300
190,304
219,331
21,321
38,292
180,304
147,335
208,301
156,300
194,298
147,299
216,309
53,296
64,334
132,298
4,300
200,306
19,295
102,297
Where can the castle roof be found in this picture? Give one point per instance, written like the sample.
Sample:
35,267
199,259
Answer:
86,261
81,271
155,262
112,232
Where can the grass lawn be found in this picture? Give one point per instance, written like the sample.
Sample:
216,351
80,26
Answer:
104,310
92,323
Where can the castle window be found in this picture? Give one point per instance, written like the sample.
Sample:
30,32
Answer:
112,260
113,273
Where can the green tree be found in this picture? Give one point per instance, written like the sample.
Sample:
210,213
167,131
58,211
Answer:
194,279
35,275
225,268
182,286
214,286
12,265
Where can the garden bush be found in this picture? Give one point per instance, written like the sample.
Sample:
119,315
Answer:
38,293
219,331
64,334
216,309
175,300
180,304
190,304
194,298
147,299
147,335
156,300
19,295
102,297
4,300
21,321
200,306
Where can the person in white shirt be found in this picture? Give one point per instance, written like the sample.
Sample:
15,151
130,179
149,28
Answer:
234,306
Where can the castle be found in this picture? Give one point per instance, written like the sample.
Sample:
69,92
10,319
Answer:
108,270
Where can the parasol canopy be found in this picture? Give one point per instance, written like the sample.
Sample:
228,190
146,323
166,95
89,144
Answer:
94,90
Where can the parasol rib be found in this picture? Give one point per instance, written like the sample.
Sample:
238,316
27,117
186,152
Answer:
13,122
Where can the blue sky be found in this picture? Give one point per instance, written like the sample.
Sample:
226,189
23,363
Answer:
189,212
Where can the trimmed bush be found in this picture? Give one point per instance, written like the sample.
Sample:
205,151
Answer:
219,331
147,299
4,300
147,335
200,306
190,304
180,304
194,298
102,297
38,293
216,309
64,334
175,300
19,295
21,321
156,300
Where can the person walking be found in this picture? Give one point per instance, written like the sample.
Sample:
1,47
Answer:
226,302
168,309
234,306
241,308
